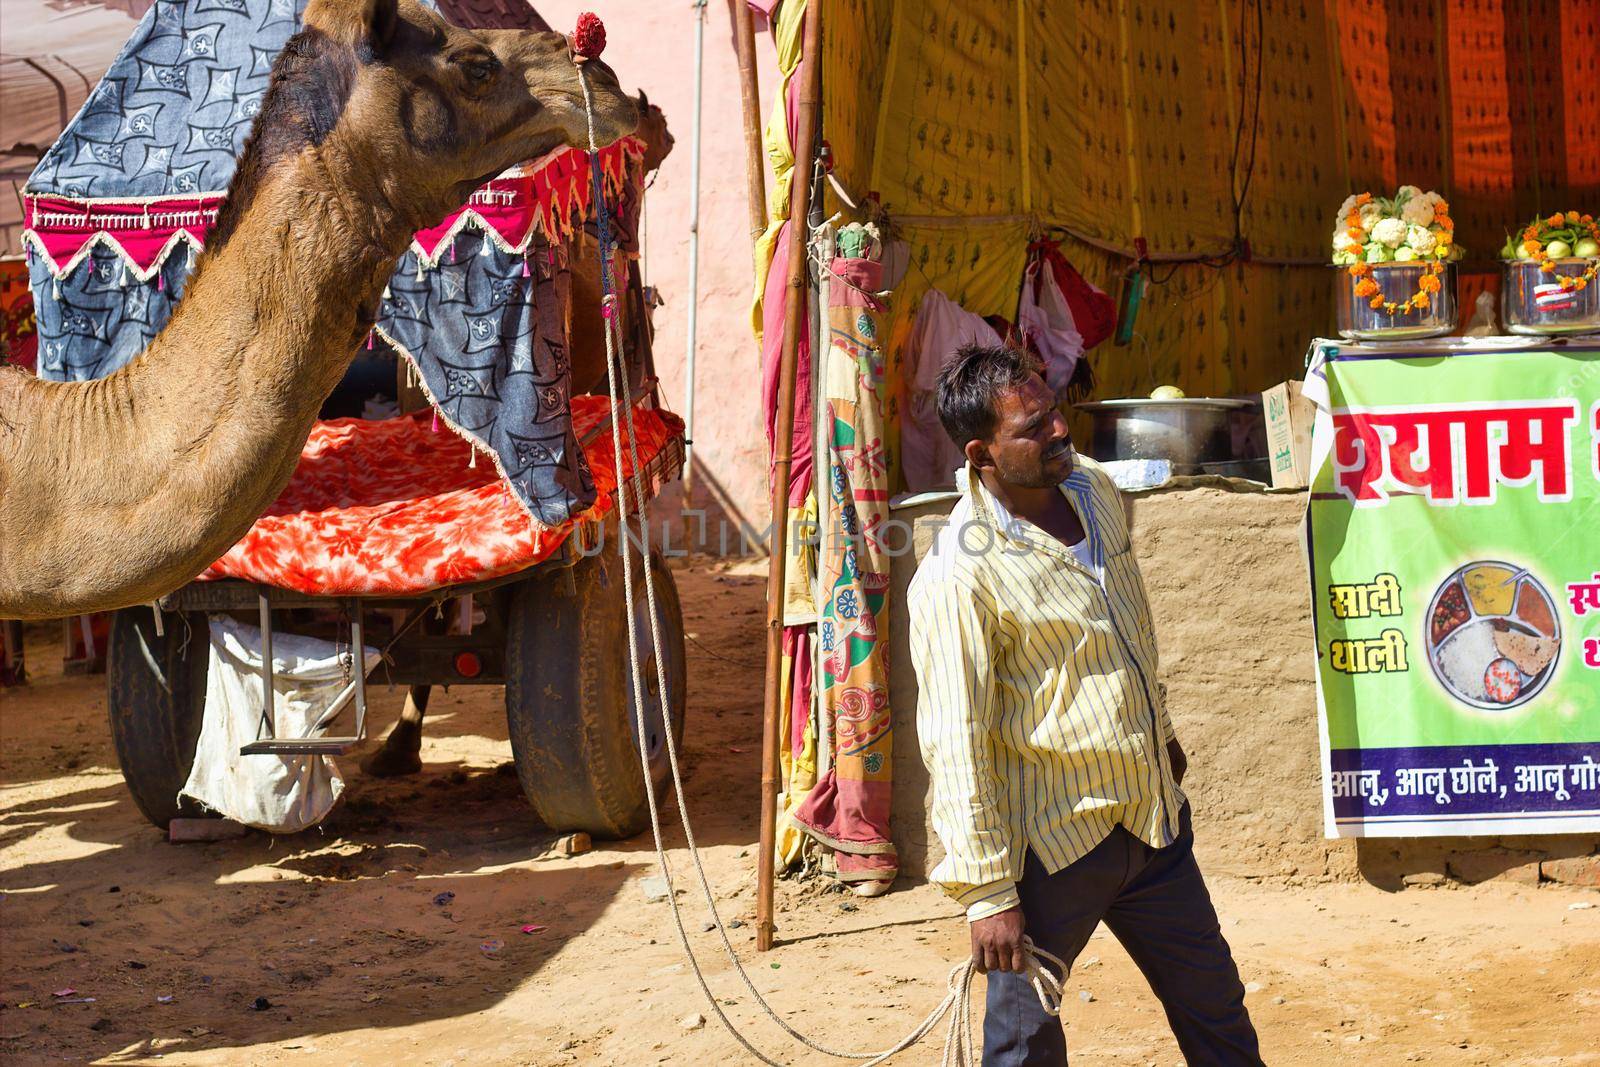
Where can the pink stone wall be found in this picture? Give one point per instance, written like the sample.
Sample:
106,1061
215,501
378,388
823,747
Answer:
650,44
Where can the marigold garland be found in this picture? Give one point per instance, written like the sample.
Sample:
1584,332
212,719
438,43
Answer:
1368,289
1536,253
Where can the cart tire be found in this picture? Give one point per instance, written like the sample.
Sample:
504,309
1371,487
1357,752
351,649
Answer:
156,698
569,706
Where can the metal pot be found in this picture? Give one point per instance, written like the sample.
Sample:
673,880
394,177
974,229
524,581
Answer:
1397,282
1532,301
1188,432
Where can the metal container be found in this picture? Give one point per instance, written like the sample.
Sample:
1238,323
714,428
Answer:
1255,470
1397,282
1188,432
1532,301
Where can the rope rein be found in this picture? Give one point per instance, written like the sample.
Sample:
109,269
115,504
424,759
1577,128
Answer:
957,1002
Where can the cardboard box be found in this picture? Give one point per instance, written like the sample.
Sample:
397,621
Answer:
1289,416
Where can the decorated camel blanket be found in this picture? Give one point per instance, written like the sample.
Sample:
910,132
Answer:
393,507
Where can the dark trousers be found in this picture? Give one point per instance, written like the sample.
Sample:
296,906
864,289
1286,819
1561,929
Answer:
1156,904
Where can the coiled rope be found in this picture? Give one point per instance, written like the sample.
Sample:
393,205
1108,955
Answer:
957,1002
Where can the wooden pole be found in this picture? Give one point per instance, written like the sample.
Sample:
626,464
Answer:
794,313
755,157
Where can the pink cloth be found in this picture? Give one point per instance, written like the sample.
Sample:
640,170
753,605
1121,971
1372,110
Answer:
551,193
928,457
851,815
853,283
506,205
773,303
797,647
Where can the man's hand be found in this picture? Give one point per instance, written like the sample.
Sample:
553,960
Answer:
1180,762
997,941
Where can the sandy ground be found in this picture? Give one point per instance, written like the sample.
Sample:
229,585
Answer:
339,931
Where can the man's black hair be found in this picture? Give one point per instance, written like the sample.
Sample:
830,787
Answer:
970,385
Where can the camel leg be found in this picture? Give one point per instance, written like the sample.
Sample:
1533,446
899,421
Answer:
401,751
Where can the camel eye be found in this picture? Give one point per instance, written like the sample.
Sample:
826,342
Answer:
479,69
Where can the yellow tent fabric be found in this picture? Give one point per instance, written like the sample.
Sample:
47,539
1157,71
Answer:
1106,119
1112,120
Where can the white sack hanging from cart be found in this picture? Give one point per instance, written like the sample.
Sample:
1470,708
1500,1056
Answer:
281,794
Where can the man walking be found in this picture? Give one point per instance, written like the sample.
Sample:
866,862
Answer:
1054,765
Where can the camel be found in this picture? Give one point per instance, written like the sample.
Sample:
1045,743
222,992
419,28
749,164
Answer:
379,119
401,751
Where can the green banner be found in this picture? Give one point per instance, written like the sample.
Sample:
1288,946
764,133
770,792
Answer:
1454,540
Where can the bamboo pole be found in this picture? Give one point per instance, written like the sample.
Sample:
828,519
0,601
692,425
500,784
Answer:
783,455
755,162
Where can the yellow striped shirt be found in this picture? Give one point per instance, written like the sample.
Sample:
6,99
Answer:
1039,713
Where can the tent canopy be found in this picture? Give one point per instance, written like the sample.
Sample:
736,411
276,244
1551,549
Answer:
1116,122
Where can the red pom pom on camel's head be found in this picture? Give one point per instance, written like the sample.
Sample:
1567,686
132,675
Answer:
589,39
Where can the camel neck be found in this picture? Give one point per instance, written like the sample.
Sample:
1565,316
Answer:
158,469
205,428
274,315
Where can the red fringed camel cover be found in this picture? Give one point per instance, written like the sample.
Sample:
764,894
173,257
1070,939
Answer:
392,507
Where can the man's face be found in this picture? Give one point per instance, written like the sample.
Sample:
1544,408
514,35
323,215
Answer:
1031,446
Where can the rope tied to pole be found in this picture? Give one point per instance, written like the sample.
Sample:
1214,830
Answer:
957,1002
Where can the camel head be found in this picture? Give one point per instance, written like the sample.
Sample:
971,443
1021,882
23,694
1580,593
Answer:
413,112
658,140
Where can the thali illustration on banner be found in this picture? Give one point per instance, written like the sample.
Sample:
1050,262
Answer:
1493,635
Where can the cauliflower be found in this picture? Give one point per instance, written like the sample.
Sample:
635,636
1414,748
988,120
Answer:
1407,192
1371,213
1377,253
1389,232
1344,210
1418,211
1343,242
1420,238
1405,254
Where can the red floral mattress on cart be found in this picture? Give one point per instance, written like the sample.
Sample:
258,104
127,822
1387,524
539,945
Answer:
392,507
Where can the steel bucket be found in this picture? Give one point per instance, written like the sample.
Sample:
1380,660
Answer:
1397,282
1188,432
1532,301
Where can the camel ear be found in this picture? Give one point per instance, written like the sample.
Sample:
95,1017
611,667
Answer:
355,22
644,102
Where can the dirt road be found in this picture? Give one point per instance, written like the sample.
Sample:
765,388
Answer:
334,946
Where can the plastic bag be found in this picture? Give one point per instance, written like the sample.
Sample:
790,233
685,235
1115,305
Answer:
1092,310
1047,327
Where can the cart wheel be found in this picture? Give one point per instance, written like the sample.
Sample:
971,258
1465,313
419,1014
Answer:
156,696
569,699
